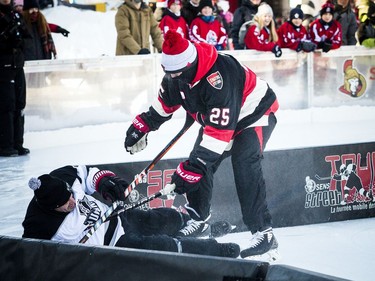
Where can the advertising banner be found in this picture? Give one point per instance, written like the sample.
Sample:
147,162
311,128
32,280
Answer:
304,186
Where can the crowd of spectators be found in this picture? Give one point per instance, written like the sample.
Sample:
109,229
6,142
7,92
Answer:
310,26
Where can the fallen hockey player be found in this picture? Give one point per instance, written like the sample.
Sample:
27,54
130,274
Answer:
66,203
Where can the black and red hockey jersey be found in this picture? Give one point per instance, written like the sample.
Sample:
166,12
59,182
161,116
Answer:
224,97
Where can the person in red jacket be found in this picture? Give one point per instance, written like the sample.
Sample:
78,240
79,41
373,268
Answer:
261,34
326,32
293,35
206,28
172,19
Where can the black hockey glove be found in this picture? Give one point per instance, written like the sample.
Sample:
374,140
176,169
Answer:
277,51
144,51
109,185
327,46
62,31
136,136
308,46
186,178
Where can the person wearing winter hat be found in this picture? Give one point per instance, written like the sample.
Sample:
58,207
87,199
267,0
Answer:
172,19
261,33
206,28
293,35
326,31
18,5
70,199
236,111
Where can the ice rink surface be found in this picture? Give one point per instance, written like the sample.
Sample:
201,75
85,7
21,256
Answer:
343,249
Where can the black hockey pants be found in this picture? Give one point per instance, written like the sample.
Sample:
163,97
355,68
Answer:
247,154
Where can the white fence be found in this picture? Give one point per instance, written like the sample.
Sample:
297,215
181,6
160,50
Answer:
70,93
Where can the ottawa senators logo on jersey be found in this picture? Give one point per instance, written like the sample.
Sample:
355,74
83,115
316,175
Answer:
215,80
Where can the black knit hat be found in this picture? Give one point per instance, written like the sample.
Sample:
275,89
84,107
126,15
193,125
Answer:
28,4
296,13
205,3
50,192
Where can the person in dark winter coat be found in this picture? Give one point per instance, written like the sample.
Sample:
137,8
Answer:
293,35
172,19
345,16
326,31
12,81
41,45
236,110
241,15
206,28
190,9
70,199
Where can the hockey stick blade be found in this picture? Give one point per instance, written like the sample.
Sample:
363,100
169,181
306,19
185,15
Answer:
189,121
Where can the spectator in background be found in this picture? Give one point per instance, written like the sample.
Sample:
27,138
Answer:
12,81
261,34
345,16
18,6
366,30
172,19
206,28
190,10
293,35
224,15
310,12
135,23
243,14
326,32
40,45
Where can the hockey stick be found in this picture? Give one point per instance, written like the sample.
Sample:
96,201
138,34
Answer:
322,178
188,123
165,191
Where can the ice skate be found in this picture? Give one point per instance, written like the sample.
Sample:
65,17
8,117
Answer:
194,228
263,246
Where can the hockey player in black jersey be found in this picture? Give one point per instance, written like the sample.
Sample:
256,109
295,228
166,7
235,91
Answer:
236,111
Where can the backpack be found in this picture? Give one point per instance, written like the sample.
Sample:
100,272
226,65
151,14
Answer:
243,30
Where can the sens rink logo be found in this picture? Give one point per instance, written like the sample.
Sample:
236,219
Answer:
354,82
349,187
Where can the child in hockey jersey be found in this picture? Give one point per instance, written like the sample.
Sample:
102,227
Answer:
206,28
293,35
261,34
326,32
172,19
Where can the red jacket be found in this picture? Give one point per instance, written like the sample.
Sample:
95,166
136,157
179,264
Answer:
212,33
320,31
173,22
290,36
258,39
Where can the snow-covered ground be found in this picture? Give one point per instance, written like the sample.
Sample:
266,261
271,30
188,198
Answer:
344,249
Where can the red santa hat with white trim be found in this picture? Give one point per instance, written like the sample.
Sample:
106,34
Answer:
178,54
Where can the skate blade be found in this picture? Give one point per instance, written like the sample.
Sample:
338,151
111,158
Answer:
271,256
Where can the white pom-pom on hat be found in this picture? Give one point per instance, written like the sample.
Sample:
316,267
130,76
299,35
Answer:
34,183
